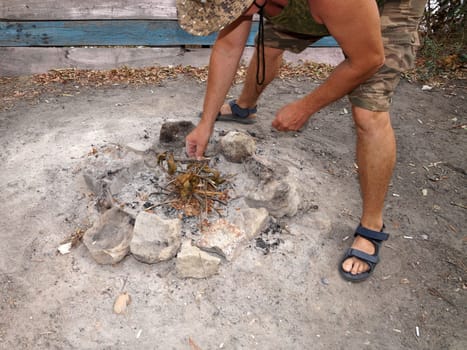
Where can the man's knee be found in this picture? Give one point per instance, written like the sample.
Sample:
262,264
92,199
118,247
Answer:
368,121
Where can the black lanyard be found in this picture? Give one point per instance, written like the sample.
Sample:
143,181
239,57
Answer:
260,46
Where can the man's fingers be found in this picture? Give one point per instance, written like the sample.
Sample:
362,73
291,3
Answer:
190,149
193,150
276,125
199,156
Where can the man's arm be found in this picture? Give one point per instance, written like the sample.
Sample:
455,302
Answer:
355,24
223,64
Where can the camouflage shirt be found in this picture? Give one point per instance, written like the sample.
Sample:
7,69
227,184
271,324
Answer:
296,18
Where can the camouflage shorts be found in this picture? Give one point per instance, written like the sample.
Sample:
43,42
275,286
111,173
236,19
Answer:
290,41
399,23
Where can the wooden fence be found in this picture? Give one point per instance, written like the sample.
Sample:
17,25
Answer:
37,35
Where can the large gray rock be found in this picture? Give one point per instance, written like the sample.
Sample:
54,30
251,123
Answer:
155,239
278,189
237,146
279,196
109,239
192,262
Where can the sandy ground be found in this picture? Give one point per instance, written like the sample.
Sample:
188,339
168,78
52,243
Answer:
290,298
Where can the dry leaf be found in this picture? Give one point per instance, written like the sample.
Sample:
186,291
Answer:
121,303
171,165
193,345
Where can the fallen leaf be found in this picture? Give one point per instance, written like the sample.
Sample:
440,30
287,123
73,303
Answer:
121,303
172,166
193,345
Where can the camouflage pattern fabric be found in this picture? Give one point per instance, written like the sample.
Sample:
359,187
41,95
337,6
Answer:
399,24
285,40
399,27
203,17
296,18
294,29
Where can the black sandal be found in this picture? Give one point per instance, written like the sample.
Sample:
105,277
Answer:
374,237
238,115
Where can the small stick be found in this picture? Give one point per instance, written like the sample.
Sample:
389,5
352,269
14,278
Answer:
436,293
458,205
159,204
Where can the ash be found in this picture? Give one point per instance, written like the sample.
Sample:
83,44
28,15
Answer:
271,237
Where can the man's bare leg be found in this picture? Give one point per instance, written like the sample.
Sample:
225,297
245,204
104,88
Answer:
251,90
376,156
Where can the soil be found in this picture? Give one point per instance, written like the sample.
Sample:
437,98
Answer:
278,293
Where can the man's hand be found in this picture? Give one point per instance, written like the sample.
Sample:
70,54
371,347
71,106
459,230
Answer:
291,117
197,141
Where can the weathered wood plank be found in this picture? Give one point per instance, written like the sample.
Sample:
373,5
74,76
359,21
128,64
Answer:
18,61
108,33
86,9
112,33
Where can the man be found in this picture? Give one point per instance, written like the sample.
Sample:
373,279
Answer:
378,39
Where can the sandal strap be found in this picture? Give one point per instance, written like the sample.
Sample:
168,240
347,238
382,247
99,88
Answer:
370,259
370,234
239,111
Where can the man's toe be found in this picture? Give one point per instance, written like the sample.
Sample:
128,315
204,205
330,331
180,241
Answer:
347,265
355,267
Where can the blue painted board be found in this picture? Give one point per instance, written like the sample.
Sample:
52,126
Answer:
109,33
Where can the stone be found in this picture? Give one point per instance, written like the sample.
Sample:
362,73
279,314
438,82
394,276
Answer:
192,262
278,190
108,240
175,132
225,237
155,239
280,197
265,170
221,237
139,147
251,221
237,146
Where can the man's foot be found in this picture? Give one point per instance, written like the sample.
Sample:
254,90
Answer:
225,109
360,260
232,112
354,265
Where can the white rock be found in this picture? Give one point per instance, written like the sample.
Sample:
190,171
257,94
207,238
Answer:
221,237
192,262
139,146
64,248
237,146
251,221
155,239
